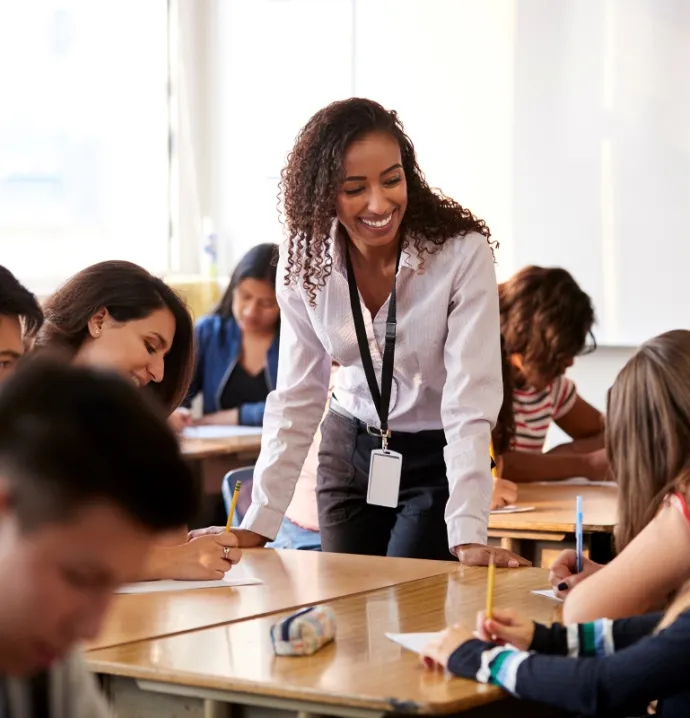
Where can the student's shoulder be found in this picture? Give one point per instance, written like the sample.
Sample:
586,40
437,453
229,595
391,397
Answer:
78,688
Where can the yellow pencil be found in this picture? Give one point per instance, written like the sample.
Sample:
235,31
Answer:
490,587
493,459
231,513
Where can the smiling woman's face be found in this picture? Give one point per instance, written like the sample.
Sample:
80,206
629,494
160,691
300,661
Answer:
135,349
372,200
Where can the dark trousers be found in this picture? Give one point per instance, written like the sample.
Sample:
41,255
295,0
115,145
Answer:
348,524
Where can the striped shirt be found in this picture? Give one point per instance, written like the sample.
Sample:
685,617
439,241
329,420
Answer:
536,409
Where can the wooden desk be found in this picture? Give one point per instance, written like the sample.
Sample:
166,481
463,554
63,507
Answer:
213,458
361,674
199,449
290,579
540,534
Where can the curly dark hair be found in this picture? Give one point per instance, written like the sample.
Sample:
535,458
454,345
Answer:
546,317
504,432
128,292
312,178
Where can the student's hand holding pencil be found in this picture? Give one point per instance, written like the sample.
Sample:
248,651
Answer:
205,557
563,574
505,626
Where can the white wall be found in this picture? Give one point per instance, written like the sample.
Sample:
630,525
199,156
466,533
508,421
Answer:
593,374
565,125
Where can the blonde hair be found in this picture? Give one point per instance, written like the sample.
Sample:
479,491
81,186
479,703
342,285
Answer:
648,430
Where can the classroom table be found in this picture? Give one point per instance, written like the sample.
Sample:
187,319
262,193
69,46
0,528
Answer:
210,460
215,457
290,579
362,674
541,534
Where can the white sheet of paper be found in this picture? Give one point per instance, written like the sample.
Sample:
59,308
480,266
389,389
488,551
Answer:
415,642
213,431
578,481
512,509
548,593
229,580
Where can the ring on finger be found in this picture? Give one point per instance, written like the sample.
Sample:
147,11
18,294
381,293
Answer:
226,552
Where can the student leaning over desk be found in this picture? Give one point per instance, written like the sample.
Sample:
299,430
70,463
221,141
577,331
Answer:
546,319
117,316
648,447
84,461
237,347
365,229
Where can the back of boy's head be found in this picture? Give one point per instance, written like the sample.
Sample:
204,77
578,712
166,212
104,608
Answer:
545,317
17,301
70,436
648,430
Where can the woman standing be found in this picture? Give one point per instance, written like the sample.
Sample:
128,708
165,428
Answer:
395,283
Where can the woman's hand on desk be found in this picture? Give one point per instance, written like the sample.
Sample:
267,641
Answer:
229,417
475,554
563,574
505,493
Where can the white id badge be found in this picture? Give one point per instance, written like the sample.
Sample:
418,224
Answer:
385,468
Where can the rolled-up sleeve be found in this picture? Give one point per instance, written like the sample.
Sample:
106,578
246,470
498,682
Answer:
473,392
292,413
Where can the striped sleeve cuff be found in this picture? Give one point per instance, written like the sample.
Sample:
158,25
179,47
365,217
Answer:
487,663
591,639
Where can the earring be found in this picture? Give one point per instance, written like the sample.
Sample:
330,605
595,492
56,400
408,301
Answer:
97,333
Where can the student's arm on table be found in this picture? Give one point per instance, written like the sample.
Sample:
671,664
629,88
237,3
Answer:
227,417
200,558
579,446
582,421
504,493
640,578
522,466
618,675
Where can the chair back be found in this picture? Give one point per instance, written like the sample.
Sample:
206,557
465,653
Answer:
246,476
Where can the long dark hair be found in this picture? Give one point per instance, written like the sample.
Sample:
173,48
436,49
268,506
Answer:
504,431
311,180
258,263
648,430
128,292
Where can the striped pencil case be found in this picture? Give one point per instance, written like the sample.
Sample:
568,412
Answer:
303,633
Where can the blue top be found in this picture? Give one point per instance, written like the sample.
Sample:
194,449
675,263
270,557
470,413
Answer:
218,346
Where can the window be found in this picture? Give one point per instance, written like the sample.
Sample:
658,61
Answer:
84,163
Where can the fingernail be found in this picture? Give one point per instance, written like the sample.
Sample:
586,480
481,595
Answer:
513,563
563,586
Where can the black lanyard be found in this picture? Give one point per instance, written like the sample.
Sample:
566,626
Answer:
381,398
